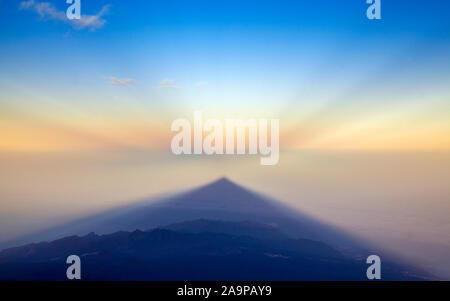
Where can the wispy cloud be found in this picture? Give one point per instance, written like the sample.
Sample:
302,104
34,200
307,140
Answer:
201,84
124,82
48,12
167,84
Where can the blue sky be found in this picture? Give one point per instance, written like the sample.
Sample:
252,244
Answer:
189,38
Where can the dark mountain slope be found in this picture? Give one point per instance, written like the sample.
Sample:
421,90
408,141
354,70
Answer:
163,254
220,200
254,229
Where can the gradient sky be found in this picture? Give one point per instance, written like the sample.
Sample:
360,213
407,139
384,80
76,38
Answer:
335,79
86,108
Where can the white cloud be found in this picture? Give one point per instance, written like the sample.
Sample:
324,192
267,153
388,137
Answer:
167,84
125,82
201,84
47,11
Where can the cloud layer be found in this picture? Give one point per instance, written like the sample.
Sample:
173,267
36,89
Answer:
48,12
120,82
167,84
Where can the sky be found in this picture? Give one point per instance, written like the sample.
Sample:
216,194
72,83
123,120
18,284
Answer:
118,77
86,108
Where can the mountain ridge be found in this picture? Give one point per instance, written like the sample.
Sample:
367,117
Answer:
220,200
163,254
